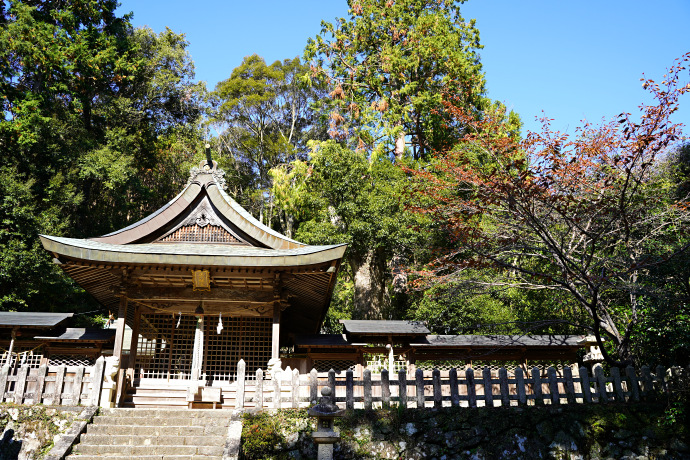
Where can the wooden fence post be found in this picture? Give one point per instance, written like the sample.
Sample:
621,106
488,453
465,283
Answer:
584,383
520,386
438,395
505,392
538,394
276,389
3,382
59,381
40,383
295,389
601,384
313,386
367,389
20,384
385,389
76,386
471,391
553,386
617,387
633,385
569,385
419,383
402,388
239,397
96,377
454,393
349,390
259,394
488,390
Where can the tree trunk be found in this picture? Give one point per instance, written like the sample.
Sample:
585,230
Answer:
400,146
370,285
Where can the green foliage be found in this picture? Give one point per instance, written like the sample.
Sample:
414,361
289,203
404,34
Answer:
265,119
264,435
389,65
342,196
96,120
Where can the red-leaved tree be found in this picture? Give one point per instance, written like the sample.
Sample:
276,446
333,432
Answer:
586,215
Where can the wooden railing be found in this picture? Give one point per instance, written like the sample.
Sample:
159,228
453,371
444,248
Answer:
52,385
467,388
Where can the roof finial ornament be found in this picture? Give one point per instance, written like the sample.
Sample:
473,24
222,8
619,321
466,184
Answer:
208,166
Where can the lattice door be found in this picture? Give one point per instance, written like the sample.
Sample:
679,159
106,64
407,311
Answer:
165,349
241,338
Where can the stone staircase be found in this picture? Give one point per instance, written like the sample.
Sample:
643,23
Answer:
161,434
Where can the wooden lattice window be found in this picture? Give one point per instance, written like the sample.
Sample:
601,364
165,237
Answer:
196,234
338,365
241,338
70,360
165,346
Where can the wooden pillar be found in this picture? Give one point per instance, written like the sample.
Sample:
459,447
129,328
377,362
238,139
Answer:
391,359
135,339
198,351
275,338
120,328
8,360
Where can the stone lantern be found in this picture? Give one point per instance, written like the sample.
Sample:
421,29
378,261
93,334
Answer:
325,412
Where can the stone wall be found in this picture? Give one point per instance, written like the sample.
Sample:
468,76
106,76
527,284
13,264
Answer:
617,431
28,432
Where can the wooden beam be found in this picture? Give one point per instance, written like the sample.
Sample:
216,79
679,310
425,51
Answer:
216,294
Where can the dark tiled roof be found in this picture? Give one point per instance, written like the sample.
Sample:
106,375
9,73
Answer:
32,319
383,327
80,334
321,340
454,341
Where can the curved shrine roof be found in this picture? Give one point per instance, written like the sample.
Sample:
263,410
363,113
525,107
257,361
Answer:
203,228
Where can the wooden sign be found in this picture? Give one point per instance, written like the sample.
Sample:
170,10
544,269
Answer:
201,280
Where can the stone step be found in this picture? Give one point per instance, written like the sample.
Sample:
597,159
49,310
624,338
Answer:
141,457
152,440
114,430
127,450
165,413
151,421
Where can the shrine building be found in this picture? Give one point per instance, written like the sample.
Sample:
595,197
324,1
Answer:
202,284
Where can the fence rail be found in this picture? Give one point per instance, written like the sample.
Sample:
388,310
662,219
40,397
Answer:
52,385
468,388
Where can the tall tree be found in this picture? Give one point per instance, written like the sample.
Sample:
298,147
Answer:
92,111
340,196
588,217
388,65
264,117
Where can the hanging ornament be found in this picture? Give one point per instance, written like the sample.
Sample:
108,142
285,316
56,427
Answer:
220,323
179,318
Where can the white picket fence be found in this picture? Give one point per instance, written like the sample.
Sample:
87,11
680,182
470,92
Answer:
52,385
465,388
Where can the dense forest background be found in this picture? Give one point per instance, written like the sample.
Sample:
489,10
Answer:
379,135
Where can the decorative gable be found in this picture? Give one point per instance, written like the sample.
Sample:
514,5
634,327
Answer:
202,225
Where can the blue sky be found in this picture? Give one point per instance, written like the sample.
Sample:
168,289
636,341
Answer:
569,59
